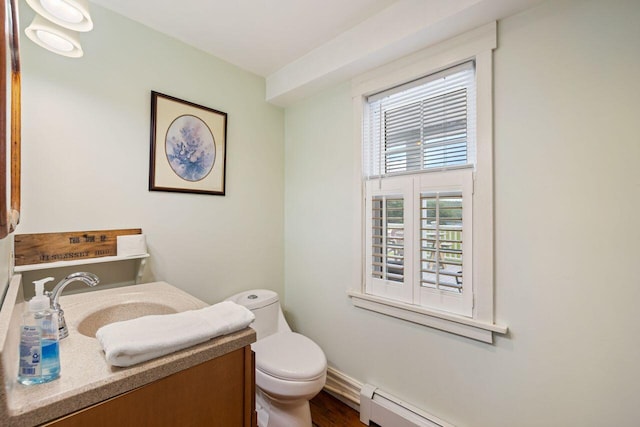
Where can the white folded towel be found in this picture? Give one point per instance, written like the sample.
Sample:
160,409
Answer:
133,341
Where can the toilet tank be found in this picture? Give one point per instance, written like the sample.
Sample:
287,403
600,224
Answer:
265,305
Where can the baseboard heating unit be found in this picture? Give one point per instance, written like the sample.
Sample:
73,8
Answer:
378,408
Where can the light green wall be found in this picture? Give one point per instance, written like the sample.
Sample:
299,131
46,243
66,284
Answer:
566,182
86,156
566,203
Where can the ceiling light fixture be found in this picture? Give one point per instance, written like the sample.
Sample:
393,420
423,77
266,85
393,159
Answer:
54,38
70,14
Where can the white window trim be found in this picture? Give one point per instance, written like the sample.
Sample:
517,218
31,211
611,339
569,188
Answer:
477,44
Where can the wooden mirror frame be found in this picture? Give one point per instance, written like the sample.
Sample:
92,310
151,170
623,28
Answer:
10,132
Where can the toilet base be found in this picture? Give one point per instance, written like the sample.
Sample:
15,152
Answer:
279,413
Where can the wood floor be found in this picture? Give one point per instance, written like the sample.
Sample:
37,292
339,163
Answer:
327,411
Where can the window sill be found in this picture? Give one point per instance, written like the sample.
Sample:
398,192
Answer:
470,328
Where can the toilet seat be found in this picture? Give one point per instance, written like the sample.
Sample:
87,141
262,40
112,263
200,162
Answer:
287,390
290,356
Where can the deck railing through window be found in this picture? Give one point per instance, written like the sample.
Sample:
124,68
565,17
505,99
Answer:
388,238
441,241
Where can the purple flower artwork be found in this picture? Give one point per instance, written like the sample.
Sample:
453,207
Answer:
190,148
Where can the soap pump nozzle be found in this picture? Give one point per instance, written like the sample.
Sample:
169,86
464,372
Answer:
40,301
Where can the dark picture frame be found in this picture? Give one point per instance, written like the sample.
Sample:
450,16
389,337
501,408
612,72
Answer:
188,147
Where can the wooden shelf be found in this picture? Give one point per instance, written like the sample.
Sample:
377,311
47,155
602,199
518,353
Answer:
86,261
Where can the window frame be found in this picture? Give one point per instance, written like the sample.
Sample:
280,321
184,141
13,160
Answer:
476,45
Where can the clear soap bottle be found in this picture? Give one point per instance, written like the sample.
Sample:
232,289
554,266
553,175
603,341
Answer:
39,347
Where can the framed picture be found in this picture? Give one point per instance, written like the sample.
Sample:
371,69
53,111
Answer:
188,147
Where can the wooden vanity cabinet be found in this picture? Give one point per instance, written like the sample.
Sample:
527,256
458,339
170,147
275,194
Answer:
219,392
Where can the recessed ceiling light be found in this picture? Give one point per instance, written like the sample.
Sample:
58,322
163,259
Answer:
71,14
54,38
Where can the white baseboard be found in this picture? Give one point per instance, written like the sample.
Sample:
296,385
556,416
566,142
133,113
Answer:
378,406
387,410
343,388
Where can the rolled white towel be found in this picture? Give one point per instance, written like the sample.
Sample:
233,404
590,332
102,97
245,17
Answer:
138,340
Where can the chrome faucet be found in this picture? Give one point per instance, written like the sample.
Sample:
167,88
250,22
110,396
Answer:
89,279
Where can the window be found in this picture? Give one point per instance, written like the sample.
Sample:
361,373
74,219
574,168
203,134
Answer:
427,180
422,125
420,145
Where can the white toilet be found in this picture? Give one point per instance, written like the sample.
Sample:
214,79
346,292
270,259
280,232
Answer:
290,368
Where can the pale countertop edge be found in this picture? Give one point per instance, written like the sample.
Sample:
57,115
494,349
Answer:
6,311
120,380
12,298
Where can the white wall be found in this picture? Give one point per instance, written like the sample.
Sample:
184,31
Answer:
85,159
566,202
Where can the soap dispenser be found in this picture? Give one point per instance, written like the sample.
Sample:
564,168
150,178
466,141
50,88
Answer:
39,351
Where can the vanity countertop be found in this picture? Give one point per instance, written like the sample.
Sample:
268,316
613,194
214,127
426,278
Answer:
86,378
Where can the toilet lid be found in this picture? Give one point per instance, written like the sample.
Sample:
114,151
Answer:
289,356
255,299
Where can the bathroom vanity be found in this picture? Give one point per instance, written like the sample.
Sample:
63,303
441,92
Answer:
218,392
211,384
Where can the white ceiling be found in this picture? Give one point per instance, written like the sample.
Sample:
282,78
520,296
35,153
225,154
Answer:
258,35
300,46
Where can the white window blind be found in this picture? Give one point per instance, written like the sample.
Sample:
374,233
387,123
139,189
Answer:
422,125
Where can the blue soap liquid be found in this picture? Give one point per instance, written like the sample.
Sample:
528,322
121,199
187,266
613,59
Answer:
49,365
50,360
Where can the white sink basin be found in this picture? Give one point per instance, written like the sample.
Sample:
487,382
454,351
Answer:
122,311
87,312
